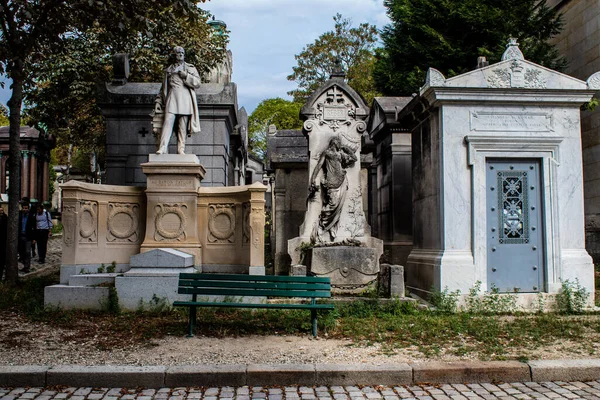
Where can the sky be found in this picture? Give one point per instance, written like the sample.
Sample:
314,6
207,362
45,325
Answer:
266,34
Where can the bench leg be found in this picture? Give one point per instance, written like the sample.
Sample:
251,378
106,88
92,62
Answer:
313,315
192,322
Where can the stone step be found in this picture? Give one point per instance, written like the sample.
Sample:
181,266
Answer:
92,279
76,297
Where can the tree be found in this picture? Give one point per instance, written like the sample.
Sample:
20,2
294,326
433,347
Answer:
449,35
31,31
3,115
352,46
64,94
284,114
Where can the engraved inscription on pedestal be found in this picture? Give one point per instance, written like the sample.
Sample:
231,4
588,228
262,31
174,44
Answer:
170,222
511,122
123,221
221,223
88,222
174,183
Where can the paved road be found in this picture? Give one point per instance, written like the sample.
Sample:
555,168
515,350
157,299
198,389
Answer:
528,390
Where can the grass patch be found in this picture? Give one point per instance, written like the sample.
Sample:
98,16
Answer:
393,325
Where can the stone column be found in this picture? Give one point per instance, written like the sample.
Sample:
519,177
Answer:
257,226
25,173
45,180
172,203
33,183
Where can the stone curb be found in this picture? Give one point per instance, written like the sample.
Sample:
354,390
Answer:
299,374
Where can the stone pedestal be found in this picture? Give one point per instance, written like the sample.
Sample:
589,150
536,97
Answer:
172,203
153,277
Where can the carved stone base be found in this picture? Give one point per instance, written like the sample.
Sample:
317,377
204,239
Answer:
172,203
350,268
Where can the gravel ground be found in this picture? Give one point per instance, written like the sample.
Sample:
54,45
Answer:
25,342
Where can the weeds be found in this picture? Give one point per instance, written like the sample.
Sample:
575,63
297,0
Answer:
492,302
445,302
571,298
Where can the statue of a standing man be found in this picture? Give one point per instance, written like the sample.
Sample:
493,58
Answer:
177,101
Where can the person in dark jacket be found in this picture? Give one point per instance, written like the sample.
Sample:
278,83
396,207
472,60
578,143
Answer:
26,235
3,238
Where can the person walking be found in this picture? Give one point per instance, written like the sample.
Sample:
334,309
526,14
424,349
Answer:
26,235
43,224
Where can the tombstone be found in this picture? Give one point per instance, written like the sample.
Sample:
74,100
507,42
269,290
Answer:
390,209
497,179
334,239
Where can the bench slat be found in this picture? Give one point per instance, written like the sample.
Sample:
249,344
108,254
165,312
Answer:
259,305
263,285
255,278
253,292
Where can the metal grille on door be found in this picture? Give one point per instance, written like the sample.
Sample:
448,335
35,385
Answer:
515,250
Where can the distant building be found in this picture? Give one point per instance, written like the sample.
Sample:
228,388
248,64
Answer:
35,161
579,42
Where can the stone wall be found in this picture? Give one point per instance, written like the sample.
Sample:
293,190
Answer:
579,42
106,223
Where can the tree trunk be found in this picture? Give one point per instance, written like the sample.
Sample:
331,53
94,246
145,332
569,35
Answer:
14,181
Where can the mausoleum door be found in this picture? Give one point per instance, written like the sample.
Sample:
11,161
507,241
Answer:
514,237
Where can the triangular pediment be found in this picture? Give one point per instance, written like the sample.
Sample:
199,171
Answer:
508,74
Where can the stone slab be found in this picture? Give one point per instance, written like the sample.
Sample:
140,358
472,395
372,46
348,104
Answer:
298,270
162,258
565,370
137,291
345,265
471,372
173,158
281,375
66,271
91,279
22,375
75,297
206,375
397,281
256,270
364,374
106,376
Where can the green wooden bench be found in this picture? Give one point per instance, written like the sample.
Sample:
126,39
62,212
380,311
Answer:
233,286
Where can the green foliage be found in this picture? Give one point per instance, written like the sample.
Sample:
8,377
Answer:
112,302
57,228
112,267
63,91
101,268
571,298
450,35
3,115
590,105
445,302
489,303
352,46
284,114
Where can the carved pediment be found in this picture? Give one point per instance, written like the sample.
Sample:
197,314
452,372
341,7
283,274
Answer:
335,103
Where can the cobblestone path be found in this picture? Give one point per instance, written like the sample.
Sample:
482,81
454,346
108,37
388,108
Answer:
528,390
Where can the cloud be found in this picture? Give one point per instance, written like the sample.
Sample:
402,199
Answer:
266,34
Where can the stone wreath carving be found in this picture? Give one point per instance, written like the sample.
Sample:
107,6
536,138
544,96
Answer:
221,234
246,223
117,211
88,221
69,224
163,210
